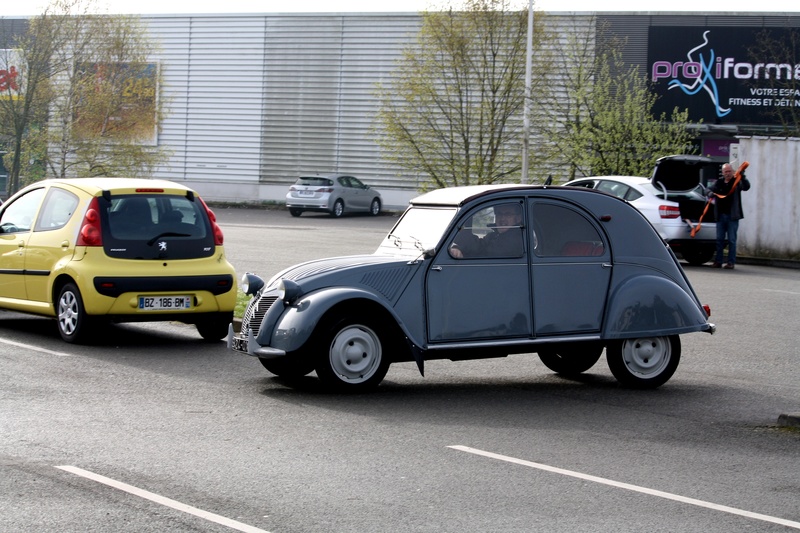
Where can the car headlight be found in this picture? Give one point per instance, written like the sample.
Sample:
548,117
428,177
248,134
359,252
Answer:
288,291
251,284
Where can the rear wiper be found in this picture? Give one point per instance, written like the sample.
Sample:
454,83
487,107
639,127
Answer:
167,234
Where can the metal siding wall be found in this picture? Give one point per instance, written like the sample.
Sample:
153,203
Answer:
771,222
213,70
320,73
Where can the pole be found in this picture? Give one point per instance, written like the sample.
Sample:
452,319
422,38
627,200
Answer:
526,121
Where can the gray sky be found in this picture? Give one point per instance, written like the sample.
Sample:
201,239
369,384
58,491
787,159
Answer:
33,7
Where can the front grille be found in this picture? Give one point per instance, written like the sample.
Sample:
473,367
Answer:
255,312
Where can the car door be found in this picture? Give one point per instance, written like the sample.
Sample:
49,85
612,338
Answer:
356,193
16,222
483,296
53,238
571,269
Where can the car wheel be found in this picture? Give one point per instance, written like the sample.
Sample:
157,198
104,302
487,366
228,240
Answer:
289,367
214,328
375,207
351,356
73,322
571,359
698,255
644,363
338,209
295,212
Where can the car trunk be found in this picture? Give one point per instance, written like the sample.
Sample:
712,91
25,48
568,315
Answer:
680,176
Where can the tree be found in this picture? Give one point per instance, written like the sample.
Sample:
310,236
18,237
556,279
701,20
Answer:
452,109
599,121
783,47
92,95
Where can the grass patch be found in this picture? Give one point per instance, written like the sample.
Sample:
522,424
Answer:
242,300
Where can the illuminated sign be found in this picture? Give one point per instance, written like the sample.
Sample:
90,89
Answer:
716,73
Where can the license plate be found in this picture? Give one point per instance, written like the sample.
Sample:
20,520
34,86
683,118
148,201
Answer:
164,303
240,344
305,193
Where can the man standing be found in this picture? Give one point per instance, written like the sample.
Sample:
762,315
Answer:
727,194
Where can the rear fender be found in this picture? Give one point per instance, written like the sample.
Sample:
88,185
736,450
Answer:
646,306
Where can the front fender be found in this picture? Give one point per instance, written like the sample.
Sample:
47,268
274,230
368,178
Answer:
297,322
647,306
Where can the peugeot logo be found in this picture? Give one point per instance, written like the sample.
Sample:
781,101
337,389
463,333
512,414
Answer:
162,246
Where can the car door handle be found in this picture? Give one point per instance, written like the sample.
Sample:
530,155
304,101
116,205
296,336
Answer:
437,268
607,265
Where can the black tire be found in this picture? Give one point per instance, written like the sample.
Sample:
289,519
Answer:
698,255
375,207
74,325
644,363
295,212
352,355
290,367
571,359
338,209
215,327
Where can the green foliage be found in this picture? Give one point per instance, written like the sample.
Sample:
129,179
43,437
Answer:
452,109
600,122
91,105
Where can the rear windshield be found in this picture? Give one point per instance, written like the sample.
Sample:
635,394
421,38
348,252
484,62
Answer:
314,182
675,196
155,226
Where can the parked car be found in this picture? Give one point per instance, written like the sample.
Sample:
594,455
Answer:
115,249
336,194
587,272
672,199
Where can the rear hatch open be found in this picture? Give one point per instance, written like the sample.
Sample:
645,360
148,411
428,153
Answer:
683,179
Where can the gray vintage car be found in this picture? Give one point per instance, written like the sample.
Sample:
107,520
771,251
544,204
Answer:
477,272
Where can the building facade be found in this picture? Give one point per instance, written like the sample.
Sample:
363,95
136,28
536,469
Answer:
255,100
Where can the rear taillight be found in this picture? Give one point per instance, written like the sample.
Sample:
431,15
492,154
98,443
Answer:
91,234
218,237
707,309
325,189
669,211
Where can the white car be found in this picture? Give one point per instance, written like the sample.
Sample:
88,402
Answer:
673,200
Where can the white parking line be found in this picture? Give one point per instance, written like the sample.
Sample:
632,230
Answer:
211,517
626,486
35,348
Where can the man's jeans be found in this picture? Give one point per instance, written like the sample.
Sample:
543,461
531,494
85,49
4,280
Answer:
730,227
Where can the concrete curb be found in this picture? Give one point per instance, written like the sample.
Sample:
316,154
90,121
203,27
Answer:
765,261
791,420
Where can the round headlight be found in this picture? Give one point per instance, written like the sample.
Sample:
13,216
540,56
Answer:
251,284
288,291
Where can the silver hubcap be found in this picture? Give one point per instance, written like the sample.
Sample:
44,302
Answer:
646,357
355,354
68,313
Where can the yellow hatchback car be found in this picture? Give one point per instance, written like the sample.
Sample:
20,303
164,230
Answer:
114,249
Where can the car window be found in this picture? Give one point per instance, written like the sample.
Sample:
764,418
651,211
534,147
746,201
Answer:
492,232
355,182
18,215
632,194
344,181
314,182
613,187
561,231
156,226
59,206
588,184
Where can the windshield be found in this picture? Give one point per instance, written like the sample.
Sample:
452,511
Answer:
419,229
